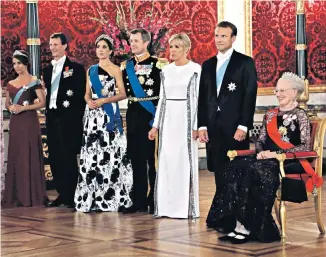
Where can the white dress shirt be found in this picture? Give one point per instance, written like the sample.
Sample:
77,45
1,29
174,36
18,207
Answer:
221,59
57,69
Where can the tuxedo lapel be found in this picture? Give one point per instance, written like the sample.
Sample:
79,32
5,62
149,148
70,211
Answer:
66,65
47,77
51,70
212,72
49,74
212,91
62,83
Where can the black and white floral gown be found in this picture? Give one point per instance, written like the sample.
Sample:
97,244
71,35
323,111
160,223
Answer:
105,172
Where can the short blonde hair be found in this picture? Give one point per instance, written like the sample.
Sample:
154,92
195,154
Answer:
183,37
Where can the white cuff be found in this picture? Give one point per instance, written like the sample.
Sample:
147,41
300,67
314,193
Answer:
245,129
202,128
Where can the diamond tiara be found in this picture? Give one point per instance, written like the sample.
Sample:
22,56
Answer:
104,36
292,76
17,52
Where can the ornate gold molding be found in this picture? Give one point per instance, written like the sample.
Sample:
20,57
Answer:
248,27
33,41
265,91
312,89
300,47
220,10
48,173
317,88
300,6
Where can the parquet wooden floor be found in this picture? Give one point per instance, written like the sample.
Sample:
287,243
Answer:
52,232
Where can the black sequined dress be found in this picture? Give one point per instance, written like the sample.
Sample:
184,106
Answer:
247,186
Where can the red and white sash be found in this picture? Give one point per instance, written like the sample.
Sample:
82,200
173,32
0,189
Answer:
275,135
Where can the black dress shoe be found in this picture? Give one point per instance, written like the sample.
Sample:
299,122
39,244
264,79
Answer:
151,209
131,209
143,209
57,202
121,209
227,237
244,240
46,201
70,205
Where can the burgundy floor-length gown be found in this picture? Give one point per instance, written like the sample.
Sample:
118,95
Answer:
25,179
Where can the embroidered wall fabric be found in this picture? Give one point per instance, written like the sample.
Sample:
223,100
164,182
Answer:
273,40
197,18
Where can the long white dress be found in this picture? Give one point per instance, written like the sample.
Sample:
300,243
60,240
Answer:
176,189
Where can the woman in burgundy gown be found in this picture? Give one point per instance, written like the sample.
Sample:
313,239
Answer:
25,181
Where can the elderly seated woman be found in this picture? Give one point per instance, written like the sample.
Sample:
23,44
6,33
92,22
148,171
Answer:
242,205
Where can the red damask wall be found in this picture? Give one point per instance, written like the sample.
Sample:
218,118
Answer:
197,18
273,35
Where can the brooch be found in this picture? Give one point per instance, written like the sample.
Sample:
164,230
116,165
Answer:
66,104
70,92
232,86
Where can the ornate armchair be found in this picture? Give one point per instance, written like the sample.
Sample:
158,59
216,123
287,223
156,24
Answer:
318,127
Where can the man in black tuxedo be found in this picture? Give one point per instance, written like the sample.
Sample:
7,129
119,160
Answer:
65,82
227,99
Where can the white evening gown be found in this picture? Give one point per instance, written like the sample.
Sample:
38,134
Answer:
176,189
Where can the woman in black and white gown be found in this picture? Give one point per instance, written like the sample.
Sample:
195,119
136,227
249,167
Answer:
176,190
105,172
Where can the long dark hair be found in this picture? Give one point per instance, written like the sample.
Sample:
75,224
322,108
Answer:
23,57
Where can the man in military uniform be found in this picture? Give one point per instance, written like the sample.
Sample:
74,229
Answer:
141,75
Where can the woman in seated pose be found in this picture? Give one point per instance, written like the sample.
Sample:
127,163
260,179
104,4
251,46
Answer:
243,204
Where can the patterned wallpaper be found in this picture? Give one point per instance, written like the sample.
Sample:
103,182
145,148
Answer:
273,27
273,39
197,18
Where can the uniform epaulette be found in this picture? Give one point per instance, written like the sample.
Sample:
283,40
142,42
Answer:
123,65
161,62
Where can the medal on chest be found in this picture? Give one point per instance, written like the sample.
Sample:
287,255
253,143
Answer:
143,69
143,72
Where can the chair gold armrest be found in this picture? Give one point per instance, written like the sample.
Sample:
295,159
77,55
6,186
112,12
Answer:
281,158
232,154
